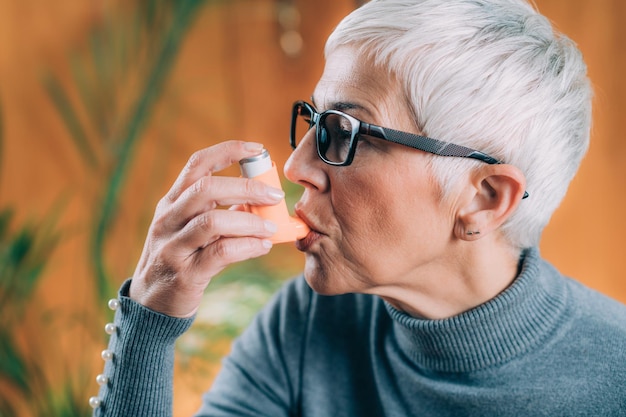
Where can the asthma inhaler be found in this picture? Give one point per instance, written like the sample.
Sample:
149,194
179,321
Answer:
262,168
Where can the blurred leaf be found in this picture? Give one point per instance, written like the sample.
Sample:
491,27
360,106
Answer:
71,120
20,247
12,365
24,252
81,77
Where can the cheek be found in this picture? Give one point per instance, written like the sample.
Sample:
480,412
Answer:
368,213
385,223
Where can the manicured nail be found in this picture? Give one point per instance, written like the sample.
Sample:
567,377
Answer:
276,194
267,244
270,226
253,146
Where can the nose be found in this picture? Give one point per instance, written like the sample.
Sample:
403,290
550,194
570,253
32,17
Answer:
304,167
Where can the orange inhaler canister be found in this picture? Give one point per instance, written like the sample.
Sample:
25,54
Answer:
262,168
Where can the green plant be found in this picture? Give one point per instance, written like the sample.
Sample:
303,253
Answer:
24,253
119,83
118,78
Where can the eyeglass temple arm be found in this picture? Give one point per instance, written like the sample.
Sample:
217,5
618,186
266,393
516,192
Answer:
430,145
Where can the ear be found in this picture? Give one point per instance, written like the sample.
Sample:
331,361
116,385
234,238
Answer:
493,195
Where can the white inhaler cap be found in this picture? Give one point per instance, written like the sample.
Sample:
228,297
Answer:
256,165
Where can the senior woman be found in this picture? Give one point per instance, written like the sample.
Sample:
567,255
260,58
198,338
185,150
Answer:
438,142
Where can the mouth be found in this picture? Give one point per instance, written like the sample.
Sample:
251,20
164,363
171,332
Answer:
313,236
305,244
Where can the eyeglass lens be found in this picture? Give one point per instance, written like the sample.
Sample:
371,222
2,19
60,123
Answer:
333,137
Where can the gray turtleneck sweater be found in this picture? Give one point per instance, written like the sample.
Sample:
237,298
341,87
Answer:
546,346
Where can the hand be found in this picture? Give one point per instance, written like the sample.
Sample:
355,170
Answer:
191,239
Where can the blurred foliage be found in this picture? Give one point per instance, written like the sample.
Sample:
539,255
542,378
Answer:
119,81
24,253
116,80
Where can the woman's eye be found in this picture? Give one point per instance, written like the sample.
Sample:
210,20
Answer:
341,136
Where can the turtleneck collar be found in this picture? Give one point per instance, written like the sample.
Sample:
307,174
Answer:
512,323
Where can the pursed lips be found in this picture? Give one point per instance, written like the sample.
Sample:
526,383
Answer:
315,233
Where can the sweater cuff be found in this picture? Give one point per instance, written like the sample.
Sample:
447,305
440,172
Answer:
140,370
158,327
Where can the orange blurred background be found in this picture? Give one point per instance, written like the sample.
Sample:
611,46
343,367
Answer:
238,66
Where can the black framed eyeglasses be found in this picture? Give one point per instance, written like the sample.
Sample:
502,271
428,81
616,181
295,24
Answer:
337,135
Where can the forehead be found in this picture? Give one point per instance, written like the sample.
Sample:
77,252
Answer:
351,80
350,77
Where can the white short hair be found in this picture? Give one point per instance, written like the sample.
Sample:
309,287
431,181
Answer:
488,74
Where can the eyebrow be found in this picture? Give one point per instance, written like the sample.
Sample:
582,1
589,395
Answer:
343,106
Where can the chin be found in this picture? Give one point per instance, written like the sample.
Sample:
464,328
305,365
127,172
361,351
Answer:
325,281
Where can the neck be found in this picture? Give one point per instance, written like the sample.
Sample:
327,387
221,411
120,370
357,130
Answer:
475,273
520,317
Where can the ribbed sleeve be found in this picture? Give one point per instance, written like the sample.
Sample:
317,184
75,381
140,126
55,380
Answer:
141,370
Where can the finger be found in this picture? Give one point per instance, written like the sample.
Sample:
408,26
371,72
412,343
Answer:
227,251
209,192
209,160
211,226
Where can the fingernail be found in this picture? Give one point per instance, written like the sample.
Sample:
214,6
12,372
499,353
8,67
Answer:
270,226
253,146
267,244
276,194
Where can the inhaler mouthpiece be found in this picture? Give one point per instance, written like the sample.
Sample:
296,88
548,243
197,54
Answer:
262,168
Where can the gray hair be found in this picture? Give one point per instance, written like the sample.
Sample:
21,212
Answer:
488,74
